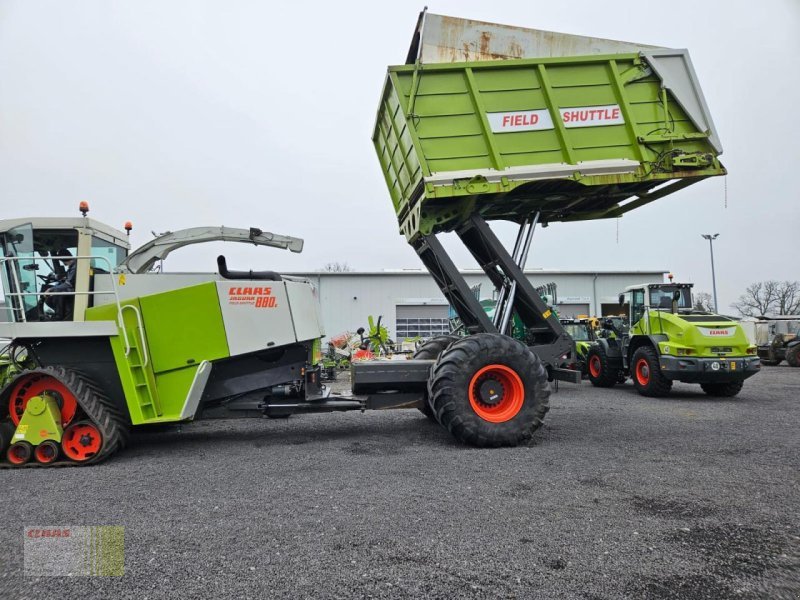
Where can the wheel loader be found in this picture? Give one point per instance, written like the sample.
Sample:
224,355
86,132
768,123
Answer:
668,341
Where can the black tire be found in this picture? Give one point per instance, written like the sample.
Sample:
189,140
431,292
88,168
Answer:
723,390
793,356
484,360
599,369
431,350
646,374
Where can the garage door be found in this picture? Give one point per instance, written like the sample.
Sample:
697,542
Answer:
423,321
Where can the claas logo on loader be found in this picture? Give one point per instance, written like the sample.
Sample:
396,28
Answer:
260,297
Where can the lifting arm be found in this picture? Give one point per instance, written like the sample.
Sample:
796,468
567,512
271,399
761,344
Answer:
142,259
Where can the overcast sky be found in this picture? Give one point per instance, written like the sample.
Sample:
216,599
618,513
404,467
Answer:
247,113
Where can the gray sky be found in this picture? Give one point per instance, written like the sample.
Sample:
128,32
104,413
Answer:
244,113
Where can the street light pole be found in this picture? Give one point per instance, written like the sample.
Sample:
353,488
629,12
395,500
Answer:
711,239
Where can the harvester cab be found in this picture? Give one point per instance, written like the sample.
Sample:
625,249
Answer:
49,265
668,340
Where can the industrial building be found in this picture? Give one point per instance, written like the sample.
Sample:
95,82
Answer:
412,305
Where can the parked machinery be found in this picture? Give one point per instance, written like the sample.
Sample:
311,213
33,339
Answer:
670,341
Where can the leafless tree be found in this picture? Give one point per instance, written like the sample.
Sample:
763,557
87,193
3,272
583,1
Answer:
703,301
769,297
337,267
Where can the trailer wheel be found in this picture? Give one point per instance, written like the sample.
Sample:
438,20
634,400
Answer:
599,368
793,356
431,350
489,390
723,390
646,374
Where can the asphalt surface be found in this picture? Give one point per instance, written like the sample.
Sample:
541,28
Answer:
619,496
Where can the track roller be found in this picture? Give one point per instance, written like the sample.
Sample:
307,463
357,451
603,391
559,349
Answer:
19,453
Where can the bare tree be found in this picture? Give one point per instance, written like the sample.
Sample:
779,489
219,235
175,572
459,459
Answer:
764,297
337,267
788,302
703,301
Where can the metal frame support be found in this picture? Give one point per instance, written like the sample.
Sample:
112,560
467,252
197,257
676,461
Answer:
545,335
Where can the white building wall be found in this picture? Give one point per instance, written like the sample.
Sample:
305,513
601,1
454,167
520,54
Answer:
347,299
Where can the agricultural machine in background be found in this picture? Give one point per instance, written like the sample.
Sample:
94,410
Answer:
583,331
670,341
778,339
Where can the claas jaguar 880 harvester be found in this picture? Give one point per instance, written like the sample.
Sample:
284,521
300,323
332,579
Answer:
484,122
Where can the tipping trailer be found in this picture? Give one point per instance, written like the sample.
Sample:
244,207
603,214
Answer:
490,122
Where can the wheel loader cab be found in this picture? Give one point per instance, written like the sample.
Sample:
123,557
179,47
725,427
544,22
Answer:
36,256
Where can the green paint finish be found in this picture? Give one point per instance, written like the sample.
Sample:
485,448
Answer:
685,339
432,119
184,327
41,421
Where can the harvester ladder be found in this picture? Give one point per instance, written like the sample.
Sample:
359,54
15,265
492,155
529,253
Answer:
138,360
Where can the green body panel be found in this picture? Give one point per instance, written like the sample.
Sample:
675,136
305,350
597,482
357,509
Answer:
41,421
683,336
433,119
182,328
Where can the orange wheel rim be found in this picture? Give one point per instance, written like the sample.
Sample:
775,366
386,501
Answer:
594,366
496,393
643,371
18,454
81,441
46,452
36,385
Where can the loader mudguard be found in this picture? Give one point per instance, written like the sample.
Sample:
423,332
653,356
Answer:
222,265
612,347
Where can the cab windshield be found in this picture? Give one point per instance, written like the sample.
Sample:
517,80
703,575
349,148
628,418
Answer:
578,331
661,297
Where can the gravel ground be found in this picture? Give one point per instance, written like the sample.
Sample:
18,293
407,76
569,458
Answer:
619,496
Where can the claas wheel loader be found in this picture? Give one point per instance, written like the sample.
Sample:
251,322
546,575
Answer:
668,341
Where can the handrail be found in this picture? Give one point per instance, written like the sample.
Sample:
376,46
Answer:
113,292
140,327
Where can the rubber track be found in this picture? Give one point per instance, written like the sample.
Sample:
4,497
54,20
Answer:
97,407
451,413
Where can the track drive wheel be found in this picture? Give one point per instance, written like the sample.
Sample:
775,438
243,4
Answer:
431,350
646,374
36,384
601,373
723,390
489,390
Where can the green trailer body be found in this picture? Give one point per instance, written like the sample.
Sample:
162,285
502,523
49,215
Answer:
571,137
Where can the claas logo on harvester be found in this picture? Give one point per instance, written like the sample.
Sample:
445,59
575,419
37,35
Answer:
261,297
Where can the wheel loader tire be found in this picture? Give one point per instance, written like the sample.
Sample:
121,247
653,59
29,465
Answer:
598,365
723,390
431,350
489,390
646,374
793,356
